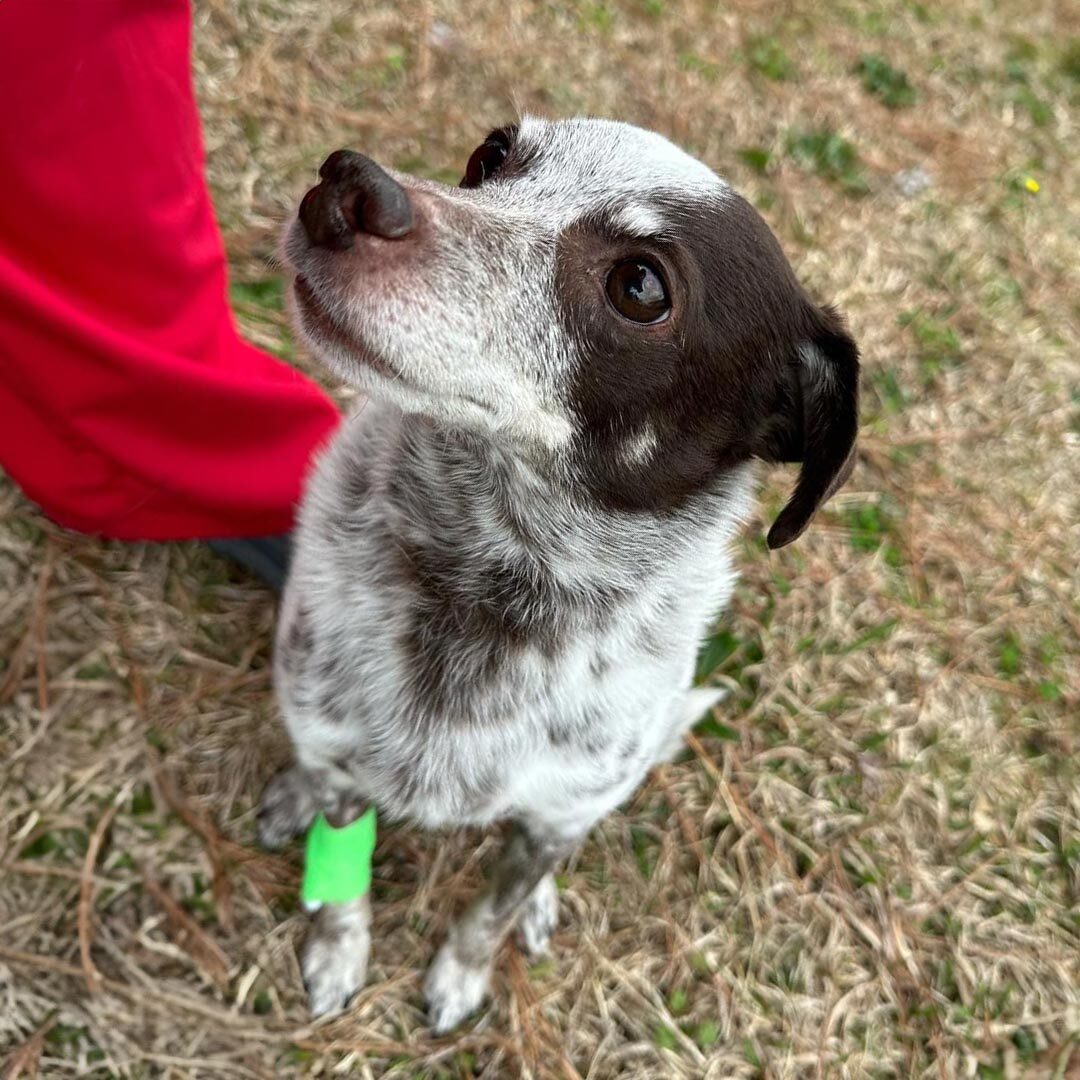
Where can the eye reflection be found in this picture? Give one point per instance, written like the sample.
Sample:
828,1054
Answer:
637,291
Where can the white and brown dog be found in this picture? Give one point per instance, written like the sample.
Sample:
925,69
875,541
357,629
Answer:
505,563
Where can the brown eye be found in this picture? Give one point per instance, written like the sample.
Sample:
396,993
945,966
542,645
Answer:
637,291
486,159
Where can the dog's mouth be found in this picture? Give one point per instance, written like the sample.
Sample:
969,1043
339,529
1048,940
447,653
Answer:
325,332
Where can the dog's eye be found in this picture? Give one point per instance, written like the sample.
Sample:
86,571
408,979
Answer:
637,290
486,160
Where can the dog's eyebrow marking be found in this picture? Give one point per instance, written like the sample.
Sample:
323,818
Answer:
640,446
639,220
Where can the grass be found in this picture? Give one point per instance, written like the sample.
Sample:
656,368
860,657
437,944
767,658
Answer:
867,862
888,84
768,57
831,156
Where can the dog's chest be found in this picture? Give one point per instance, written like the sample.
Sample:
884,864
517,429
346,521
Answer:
443,660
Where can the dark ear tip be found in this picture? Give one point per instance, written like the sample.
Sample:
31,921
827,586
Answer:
783,533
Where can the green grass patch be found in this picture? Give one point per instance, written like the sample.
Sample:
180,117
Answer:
598,17
706,1034
664,1037
888,84
63,842
831,156
395,63
698,65
890,394
678,1001
1018,73
757,157
1039,110
646,850
725,653
767,57
938,344
873,526
881,632
873,741
710,726
142,800
1069,63
268,294
715,651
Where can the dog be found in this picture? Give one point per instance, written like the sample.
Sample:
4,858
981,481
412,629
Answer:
506,561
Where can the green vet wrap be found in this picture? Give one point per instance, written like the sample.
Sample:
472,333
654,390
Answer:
337,865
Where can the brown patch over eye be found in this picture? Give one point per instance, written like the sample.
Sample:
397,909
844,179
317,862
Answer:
637,291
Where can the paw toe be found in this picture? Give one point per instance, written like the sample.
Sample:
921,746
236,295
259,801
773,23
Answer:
453,991
285,810
539,919
334,969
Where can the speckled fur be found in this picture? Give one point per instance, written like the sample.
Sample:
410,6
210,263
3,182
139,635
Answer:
497,595
441,648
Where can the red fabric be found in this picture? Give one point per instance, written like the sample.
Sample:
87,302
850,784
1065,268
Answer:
129,406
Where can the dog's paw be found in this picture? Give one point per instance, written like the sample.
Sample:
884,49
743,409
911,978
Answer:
286,809
539,917
335,956
453,990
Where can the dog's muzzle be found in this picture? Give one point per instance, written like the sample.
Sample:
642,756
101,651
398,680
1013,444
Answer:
355,196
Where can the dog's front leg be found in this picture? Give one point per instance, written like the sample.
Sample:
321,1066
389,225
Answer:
459,977
335,953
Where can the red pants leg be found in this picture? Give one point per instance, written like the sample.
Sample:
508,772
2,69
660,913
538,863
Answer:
129,406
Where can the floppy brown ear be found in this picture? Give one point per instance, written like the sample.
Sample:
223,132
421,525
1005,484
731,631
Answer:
819,424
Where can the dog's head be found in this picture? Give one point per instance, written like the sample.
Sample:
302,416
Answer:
590,294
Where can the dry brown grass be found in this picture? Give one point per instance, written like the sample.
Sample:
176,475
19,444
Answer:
872,866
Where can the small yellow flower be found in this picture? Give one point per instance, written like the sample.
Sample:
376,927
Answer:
1031,184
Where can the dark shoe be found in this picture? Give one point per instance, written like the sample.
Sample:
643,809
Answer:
267,557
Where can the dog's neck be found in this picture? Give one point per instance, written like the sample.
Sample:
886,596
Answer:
467,490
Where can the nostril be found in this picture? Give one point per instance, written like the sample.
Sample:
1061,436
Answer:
352,210
323,221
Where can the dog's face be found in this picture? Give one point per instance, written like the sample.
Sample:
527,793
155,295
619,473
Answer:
591,295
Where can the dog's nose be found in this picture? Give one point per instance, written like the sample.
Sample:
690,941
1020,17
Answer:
355,196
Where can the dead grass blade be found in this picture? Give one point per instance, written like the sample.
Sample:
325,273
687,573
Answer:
26,1059
35,636
205,953
86,899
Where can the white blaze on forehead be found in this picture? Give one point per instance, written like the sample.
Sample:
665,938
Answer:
581,166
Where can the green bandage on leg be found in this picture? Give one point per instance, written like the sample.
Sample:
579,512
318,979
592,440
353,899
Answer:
337,864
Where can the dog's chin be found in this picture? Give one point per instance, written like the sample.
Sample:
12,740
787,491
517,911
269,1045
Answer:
346,355
338,348
343,352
